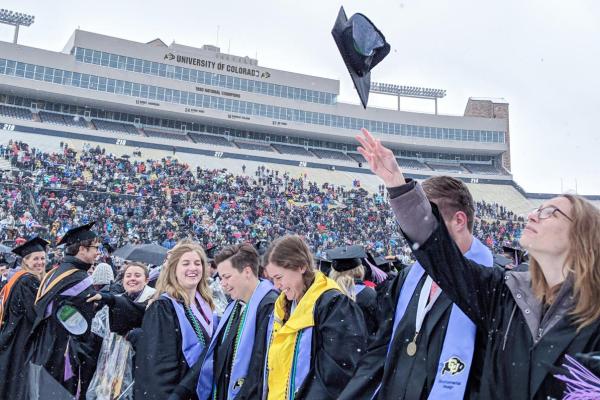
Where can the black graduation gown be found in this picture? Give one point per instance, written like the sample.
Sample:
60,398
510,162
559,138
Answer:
514,366
161,368
48,341
367,301
400,375
18,320
339,340
125,314
223,353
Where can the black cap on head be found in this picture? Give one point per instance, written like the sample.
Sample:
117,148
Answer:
346,258
517,255
323,265
78,234
362,47
211,252
31,246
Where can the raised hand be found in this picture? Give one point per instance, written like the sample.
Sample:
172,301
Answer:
381,159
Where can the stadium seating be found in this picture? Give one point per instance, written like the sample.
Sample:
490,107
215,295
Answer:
253,146
446,167
482,169
15,112
62,119
293,150
331,154
210,139
357,157
411,164
116,127
167,135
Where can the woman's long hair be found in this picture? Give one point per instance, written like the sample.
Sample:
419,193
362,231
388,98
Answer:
345,279
583,262
167,280
291,252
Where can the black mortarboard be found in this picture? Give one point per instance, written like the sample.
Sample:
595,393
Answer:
211,252
517,255
346,258
31,246
362,47
261,247
323,265
78,234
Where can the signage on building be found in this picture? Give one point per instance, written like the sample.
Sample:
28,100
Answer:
217,66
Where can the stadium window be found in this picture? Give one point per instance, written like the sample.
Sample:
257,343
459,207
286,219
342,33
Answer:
29,71
121,62
154,68
104,59
185,74
96,55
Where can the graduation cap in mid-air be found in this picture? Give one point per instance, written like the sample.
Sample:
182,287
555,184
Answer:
346,258
31,246
362,47
78,234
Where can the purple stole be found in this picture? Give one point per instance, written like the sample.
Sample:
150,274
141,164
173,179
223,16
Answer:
239,368
191,346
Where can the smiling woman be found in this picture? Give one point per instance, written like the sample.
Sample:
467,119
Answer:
318,334
176,328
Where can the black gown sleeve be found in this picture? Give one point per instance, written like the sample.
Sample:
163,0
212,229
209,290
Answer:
475,289
369,373
339,341
125,315
367,301
19,312
159,357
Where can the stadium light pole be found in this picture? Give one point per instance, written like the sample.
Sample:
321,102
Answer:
15,19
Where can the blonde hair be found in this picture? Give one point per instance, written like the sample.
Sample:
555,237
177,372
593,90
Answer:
167,280
583,262
345,279
292,252
26,267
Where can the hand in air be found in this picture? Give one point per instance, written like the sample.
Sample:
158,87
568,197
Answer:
381,159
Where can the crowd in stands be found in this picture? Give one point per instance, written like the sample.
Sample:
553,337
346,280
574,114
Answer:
164,200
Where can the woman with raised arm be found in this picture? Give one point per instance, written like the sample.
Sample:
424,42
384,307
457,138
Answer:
533,318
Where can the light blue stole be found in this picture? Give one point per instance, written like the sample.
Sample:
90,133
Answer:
241,362
459,343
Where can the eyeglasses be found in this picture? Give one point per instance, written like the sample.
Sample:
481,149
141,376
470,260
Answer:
95,247
547,212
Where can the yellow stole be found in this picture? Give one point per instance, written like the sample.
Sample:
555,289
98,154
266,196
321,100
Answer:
283,341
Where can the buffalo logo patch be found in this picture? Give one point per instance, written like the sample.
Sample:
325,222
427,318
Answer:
453,366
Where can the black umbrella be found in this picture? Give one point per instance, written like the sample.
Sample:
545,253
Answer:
146,253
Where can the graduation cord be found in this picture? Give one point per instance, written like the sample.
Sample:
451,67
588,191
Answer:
292,383
227,329
195,324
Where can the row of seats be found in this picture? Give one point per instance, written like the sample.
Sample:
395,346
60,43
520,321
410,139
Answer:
15,112
210,139
167,135
482,169
116,127
254,146
62,119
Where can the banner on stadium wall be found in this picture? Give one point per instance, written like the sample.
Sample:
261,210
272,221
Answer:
218,66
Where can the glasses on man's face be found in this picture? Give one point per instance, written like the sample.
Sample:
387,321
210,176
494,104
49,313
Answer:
94,247
550,211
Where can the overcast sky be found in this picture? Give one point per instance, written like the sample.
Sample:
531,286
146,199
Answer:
543,57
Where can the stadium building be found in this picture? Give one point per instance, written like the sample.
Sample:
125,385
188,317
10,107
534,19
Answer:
229,109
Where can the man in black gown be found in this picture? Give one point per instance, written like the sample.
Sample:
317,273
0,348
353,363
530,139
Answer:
61,341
